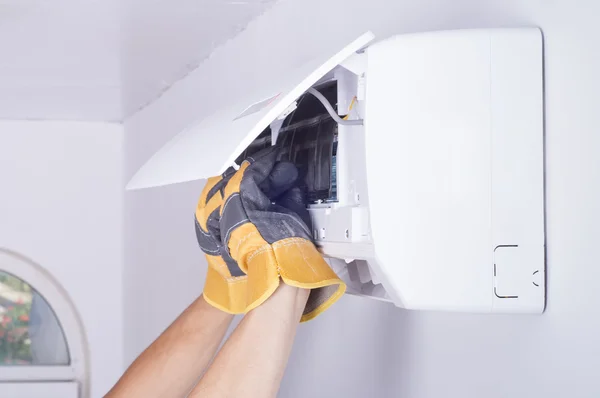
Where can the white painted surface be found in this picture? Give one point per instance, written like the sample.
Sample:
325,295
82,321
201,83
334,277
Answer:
60,60
39,390
164,41
61,206
67,59
364,348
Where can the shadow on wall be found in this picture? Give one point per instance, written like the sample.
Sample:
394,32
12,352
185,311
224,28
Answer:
351,351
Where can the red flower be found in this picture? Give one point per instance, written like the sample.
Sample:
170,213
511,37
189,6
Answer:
1,333
10,308
7,319
19,300
24,318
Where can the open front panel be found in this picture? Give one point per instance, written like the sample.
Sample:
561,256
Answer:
211,145
308,137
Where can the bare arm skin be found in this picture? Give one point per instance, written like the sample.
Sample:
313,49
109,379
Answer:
253,360
172,364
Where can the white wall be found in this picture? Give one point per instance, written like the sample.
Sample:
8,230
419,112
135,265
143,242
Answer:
61,204
364,348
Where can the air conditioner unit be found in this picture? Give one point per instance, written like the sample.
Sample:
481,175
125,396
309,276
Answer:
430,191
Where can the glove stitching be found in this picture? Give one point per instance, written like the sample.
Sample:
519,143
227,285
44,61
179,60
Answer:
228,200
291,241
223,267
301,223
302,247
200,228
243,239
301,244
232,227
258,251
236,279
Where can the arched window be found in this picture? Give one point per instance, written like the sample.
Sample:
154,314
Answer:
42,343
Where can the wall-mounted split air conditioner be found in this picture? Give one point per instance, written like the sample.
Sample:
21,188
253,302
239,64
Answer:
429,193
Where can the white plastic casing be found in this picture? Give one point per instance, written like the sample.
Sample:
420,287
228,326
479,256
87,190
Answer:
440,193
454,146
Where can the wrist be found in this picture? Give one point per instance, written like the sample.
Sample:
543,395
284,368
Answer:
297,296
287,302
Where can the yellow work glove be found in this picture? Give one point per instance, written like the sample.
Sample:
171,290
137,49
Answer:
265,225
225,286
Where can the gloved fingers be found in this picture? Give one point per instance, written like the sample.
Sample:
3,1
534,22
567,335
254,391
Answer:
211,197
243,194
253,174
213,226
271,222
265,226
249,220
211,211
294,200
203,213
261,178
208,231
207,242
211,244
208,238
214,185
208,188
283,176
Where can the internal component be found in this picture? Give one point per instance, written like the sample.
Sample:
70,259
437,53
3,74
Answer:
308,138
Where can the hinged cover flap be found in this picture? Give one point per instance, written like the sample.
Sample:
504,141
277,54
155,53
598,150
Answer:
232,128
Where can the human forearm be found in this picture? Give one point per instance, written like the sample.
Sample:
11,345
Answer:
253,360
173,363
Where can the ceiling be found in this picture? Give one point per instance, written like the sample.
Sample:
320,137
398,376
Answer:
102,60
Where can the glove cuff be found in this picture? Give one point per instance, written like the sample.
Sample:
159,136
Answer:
227,294
299,264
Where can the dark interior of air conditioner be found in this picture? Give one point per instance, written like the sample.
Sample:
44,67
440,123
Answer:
308,138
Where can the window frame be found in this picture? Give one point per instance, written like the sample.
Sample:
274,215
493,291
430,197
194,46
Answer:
68,317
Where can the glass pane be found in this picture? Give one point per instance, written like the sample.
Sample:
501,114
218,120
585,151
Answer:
30,333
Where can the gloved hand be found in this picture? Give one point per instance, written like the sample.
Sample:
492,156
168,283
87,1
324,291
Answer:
225,286
264,225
